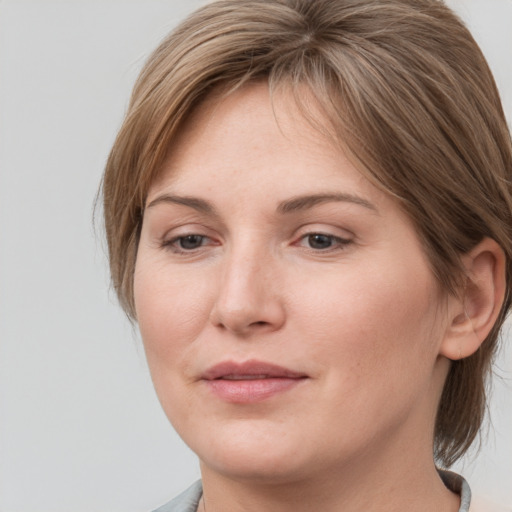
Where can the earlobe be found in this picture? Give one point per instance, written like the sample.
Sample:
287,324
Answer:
473,314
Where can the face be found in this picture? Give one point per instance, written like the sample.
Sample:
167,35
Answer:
288,312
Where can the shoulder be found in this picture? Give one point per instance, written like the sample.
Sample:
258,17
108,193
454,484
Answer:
187,501
479,504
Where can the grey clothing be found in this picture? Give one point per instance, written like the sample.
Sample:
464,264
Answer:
189,500
457,484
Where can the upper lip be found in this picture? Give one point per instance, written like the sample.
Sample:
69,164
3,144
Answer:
257,369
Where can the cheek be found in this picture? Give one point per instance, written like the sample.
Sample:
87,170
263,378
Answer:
374,338
374,322
172,308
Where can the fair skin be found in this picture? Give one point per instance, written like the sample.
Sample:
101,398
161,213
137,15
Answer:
263,245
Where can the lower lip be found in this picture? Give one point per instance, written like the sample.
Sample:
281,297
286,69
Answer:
250,391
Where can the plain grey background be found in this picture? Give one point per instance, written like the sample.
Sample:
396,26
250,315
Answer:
80,426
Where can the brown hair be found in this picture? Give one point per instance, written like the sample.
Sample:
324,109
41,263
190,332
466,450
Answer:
409,95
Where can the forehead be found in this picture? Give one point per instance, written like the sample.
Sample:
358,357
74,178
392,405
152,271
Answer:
252,129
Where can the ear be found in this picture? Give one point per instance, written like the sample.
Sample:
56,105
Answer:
472,315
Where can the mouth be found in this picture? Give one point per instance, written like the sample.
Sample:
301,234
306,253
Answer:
251,381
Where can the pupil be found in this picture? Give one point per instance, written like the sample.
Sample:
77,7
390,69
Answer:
191,241
320,241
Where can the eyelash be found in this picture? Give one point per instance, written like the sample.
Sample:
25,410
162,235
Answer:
175,243
336,243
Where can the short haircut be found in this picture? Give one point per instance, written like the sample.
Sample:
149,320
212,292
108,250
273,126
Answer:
403,87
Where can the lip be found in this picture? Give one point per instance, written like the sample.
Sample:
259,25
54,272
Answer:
250,381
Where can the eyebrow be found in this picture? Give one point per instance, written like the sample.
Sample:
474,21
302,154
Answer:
309,201
294,204
192,202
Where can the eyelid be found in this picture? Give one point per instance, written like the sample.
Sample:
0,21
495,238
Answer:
319,228
170,239
339,242
341,238
187,228
172,244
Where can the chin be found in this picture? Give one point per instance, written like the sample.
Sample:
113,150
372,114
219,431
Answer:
258,454
255,467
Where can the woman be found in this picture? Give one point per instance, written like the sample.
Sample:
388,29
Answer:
309,214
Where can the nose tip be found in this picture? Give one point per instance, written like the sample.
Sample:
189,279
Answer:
248,302
243,320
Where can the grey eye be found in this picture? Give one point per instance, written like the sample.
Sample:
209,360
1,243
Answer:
319,241
190,242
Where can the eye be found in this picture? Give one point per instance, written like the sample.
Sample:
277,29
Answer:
323,242
187,243
319,241
190,242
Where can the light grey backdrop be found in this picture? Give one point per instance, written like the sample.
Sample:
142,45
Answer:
80,427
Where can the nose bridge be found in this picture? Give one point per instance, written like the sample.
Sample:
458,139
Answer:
247,297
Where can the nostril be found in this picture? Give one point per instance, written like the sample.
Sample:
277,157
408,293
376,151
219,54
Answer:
243,314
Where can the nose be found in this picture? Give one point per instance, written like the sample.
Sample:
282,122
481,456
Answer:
249,299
